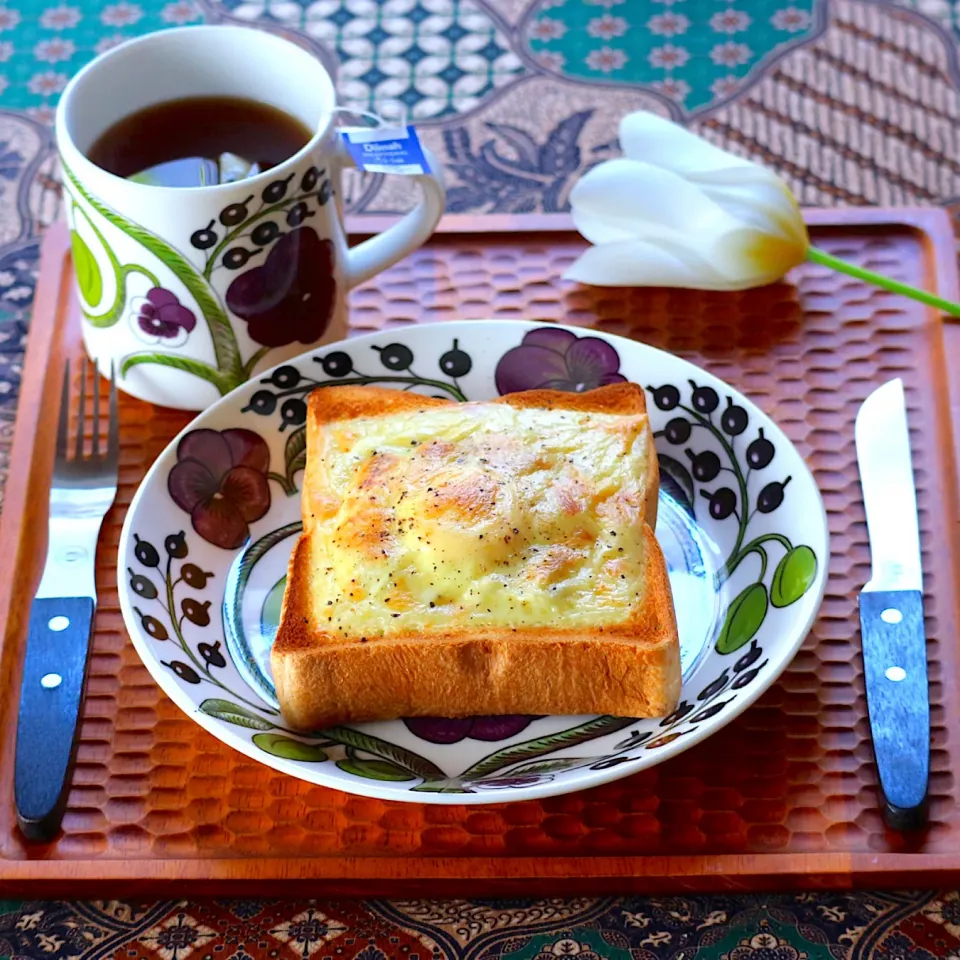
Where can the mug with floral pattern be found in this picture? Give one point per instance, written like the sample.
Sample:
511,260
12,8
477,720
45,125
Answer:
189,292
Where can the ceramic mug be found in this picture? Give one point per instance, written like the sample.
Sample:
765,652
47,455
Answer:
191,291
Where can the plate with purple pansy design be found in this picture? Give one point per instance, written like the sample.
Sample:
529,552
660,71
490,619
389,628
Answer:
206,541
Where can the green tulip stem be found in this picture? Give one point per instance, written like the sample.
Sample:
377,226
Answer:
815,255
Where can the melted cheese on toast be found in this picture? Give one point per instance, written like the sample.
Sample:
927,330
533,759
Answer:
476,515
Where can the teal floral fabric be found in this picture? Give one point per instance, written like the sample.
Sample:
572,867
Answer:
694,53
43,45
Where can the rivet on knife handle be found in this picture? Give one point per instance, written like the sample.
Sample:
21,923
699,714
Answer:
895,661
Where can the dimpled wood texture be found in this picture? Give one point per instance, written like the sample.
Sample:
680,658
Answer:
784,795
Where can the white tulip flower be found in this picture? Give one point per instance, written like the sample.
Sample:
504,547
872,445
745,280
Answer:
676,211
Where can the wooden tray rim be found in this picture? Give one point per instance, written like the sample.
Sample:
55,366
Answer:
379,874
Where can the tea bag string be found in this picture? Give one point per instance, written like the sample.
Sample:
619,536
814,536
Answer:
232,168
371,118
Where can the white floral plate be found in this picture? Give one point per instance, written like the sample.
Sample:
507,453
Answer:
205,544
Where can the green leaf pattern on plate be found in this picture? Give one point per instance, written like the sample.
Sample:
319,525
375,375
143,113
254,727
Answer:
794,576
232,713
744,618
375,770
278,745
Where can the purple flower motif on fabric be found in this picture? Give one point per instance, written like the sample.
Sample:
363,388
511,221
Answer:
442,730
159,317
549,358
220,479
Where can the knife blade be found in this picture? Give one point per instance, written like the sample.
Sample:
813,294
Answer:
891,609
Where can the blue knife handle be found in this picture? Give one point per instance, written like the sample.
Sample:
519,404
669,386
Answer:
898,703
51,693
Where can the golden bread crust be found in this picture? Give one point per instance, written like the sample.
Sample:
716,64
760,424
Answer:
631,672
626,668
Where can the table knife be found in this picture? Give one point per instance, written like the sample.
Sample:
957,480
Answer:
891,609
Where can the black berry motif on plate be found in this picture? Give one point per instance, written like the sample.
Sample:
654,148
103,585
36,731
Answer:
722,475
285,390
166,580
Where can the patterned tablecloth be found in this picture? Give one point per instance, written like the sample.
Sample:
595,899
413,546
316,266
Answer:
853,101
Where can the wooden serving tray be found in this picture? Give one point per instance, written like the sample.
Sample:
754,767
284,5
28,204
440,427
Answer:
785,796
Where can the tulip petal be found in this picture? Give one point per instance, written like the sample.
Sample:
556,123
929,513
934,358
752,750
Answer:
622,199
733,260
635,263
748,191
658,141
751,258
677,211
757,197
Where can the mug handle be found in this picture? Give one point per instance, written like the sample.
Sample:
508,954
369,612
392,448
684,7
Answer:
367,259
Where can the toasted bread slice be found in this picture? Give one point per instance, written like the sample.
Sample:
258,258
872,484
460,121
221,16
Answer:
481,558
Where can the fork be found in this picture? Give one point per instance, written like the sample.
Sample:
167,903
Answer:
62,614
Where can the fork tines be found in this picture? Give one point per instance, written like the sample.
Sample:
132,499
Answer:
63,427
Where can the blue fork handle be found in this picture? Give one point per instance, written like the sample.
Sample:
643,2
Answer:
51,694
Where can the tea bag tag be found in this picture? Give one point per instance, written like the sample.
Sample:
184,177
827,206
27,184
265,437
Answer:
386,149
